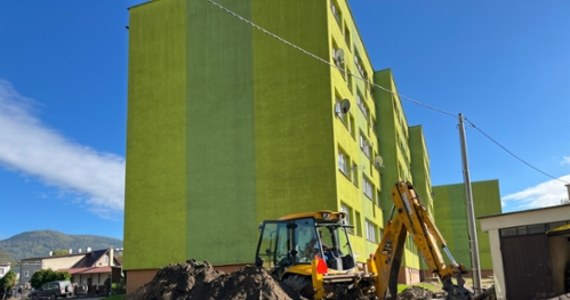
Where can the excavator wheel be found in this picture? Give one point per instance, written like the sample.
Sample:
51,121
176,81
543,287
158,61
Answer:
300,284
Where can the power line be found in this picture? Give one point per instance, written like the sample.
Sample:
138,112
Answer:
513,154
414,101
326,61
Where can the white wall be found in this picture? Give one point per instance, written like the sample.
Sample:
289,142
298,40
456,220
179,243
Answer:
57,263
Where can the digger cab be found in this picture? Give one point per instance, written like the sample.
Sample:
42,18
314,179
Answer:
291,243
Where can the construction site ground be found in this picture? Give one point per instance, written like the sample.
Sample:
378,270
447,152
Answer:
200,280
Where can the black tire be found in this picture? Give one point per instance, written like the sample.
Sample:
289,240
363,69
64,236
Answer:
300,284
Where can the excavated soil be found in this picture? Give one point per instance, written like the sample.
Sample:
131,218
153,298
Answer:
417,293
199,280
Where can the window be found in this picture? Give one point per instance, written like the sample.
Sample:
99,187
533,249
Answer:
359,64
528,230
368,87
378,198
27,274
346,35
352,127
354,174
338,111
367,187
357,224
338,58
336,12
371,232
343,163
363,107
365,145
349,79
348,211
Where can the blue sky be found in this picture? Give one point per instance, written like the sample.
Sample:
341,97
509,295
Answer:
63,89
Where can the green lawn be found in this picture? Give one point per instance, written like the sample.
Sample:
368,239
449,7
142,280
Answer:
428,286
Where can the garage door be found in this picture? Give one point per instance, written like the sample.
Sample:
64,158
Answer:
527,268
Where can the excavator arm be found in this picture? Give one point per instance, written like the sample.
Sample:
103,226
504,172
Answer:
409,216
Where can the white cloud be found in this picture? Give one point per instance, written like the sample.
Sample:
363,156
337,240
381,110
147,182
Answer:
30,147
548,193
565,160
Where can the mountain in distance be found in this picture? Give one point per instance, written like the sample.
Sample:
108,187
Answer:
39,243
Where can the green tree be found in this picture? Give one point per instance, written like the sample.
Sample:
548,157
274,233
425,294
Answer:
7,282
42,276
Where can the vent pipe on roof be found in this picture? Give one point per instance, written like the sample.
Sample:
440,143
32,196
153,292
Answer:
88,249
51,253
70,251
568,188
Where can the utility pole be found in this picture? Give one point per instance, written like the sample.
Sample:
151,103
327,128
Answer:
473,244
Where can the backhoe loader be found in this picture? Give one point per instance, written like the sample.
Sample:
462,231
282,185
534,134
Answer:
311,252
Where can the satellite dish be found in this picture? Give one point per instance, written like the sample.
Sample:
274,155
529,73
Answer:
378,162
345,106
338,56
342,107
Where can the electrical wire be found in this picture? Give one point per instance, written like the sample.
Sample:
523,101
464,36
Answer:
511,153
326,61
365,80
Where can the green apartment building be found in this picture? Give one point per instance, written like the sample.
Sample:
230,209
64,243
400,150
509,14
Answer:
395,149
228,126
451,216
421,175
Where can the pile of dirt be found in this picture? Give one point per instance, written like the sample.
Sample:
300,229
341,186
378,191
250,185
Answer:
417,293
487,294
199,280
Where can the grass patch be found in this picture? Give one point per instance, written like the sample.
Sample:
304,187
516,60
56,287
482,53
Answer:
428,286
116,297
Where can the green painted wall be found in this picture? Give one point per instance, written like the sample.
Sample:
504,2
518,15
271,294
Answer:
386,129
221,155
227,127
451,217
420,166
156,189
392,131
295,156
421,171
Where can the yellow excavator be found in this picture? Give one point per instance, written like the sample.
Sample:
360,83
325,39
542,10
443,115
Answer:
311,252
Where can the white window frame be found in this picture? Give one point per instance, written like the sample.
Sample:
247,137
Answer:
343,163
363,107
371,231
368,187
365,145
